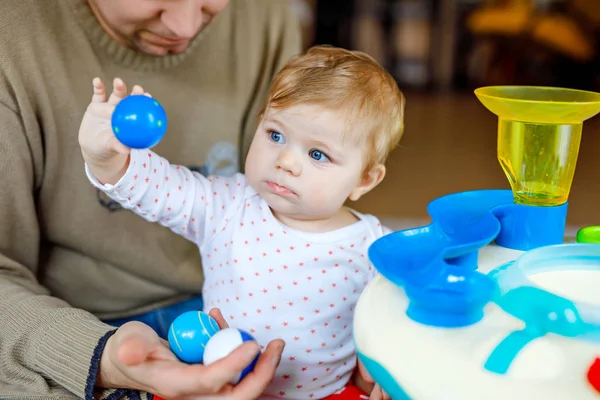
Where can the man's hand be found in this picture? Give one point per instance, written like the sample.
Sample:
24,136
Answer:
136,358
106,157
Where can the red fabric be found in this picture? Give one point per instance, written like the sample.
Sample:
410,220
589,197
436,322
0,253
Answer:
350,392
593,375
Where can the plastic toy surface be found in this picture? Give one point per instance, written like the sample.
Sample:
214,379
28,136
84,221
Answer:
488,301
139,121
223,343
195,337
189,333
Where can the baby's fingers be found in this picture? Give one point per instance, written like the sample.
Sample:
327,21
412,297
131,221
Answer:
216,314
119,92
99,95
137,89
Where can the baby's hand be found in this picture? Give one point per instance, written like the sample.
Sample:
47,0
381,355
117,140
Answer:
106,157
379,394
364,380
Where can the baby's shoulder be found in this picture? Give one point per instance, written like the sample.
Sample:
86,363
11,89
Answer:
372,224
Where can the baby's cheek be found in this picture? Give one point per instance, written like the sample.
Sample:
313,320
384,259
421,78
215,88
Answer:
327,196
322,183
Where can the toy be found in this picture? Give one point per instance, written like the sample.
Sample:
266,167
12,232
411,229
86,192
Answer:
489,300
589,234
139,121
189,334
195,337
223,343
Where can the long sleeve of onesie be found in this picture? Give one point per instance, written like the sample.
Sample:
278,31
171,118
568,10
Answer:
174,196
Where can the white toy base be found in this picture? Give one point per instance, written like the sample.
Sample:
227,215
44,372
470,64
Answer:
447,363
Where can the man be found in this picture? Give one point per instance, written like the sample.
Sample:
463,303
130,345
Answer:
71,260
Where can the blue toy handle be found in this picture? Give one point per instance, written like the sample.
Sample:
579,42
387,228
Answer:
501,358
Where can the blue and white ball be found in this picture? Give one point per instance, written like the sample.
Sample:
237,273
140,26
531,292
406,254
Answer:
223,343
189,334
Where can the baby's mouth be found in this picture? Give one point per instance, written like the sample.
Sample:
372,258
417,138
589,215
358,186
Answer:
279,189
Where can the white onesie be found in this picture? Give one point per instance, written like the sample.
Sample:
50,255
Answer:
267,279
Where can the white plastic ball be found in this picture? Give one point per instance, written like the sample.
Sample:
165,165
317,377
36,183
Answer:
222,343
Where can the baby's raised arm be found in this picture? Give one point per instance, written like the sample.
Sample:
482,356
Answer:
140,180
188,203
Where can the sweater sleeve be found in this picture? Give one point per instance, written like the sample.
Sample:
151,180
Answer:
191,205
47,348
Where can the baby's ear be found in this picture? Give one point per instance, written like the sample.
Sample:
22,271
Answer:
370,180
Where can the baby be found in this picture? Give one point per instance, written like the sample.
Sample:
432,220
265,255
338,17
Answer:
282,256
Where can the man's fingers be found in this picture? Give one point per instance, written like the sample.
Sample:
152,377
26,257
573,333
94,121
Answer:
219,374
198,381
255,383
187,381
99,95
216,314
119,92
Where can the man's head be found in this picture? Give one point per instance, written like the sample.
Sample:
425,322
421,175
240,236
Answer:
331,119
156,27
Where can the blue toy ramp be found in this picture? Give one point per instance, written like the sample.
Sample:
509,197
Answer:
436,264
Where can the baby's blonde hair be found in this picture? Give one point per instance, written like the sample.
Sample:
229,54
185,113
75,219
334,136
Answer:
350,82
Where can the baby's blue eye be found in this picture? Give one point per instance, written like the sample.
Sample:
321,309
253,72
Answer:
318,156
277,137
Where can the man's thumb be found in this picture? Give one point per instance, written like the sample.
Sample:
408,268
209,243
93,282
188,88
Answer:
135,343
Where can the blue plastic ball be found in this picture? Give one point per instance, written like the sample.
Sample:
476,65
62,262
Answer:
189,333
223,343
139,121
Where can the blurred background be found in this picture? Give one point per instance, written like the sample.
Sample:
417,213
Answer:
440,51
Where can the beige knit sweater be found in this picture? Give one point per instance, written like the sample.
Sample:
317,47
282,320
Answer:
69,256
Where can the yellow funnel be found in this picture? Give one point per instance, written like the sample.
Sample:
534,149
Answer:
539,131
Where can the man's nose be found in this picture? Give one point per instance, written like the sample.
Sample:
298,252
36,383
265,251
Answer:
183,18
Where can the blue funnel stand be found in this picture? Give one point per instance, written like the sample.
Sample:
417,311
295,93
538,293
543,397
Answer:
436,264
529,227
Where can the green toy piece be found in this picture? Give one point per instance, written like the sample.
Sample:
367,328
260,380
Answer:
589,234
